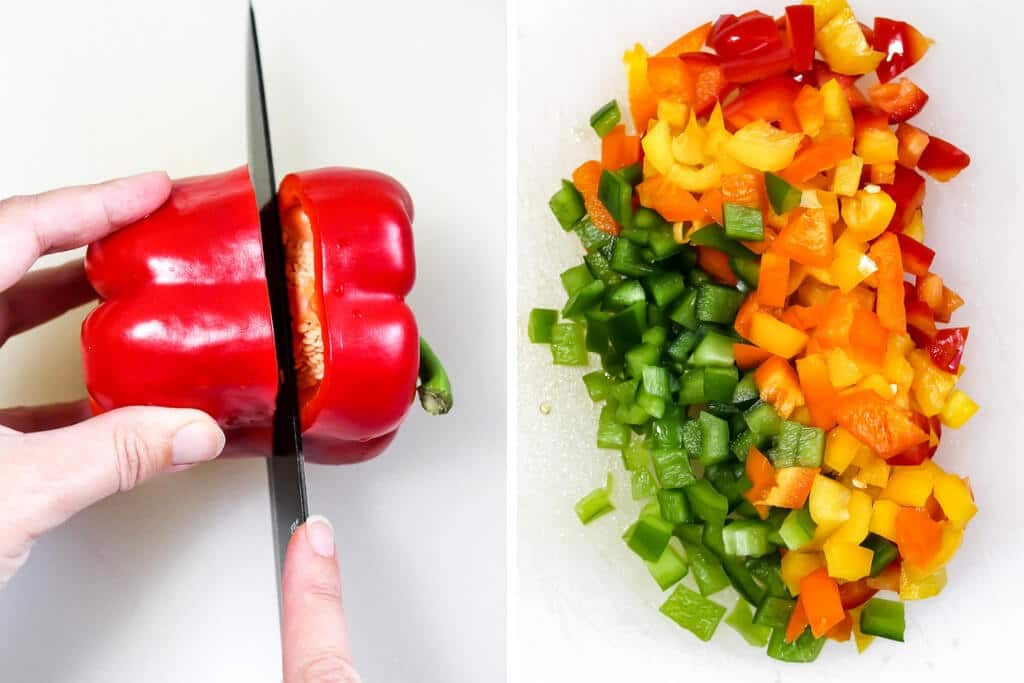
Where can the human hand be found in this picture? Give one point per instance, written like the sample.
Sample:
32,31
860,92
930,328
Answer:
54,461
314,633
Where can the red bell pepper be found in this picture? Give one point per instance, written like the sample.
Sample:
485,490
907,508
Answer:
771,99
709,84
853,594
900,100
943,160
902,44
185,316
907,190
771,60
732,37
917,258
947,348
917,454
800,33
913,142
920,320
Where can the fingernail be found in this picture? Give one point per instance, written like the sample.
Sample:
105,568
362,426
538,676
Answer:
320,534
196,442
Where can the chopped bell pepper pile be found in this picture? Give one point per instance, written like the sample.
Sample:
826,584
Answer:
758,290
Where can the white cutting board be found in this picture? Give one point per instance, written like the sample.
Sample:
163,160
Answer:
175,581
587,606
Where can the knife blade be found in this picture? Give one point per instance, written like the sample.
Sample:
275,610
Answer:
285,469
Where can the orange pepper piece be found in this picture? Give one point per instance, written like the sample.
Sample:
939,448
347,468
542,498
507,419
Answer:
818,390
842,631
807,239
743,188
711,205
792,487
810,110
837,320
761,474
619,150
669,78
803,317
797,621
716,264
889,303
690,42
745,316
883,426
888,580
819,157
820,595
586,178
673,202
778,384
773,279
749,356
918,536
868,336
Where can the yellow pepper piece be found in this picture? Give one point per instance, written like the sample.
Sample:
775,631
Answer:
657,146
843,45
775,336
883,519
825,10
952,537
838,116
694,179
897,369
763,146
802,415
798,564
829,502
847,176
847,561
876,146
926,587
873,471
688,146
878,384
916,228
931,387
855,529
954,498
958,409
850,268
673,113
841,447
829,204
843,371
859,637
868,212
909,485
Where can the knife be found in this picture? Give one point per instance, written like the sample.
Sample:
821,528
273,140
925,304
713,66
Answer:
285,469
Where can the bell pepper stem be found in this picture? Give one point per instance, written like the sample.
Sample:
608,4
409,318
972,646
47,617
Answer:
435,389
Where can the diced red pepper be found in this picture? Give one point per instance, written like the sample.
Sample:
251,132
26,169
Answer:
917,258
907,190
716,264
733,37
709,84
800,33
950,302
943,160
770,60
853,594
929,289
900,100
947,348
902,44
771,99
869,118
879,424
917,454
920,321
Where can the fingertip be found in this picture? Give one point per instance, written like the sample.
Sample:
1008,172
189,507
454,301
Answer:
134,197
320,535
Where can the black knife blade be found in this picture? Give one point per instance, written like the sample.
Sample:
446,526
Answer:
285,469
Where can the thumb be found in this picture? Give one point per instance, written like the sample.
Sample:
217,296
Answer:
315,641
45,477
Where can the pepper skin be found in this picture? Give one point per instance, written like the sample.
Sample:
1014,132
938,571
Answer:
184,319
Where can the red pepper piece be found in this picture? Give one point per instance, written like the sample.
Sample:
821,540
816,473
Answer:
917,454
733,37
949,303
800,34
709,84
853,594
902,44
912,143
920,321
943,160
917,258
907,190
771,60
771,99
900,100
869,118
947,348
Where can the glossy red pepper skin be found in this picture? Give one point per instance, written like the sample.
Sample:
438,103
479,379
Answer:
917,257
901,100
943,160
907,190
771,99
902,44
709,83
946,348
185,317
800,32
915,455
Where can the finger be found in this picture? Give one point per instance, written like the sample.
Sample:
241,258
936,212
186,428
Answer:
41,296
315,641
39,418
49,476
34,225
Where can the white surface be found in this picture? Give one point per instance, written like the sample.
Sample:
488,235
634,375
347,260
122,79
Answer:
588,608
175,581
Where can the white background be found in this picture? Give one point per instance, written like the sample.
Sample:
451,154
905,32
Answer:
588,608
175,581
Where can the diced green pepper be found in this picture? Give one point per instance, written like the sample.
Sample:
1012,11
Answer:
695,613
762,419
798,528
707,570
628,325
611,434
584,299
662,243
714,350
656,335
666,287
567,205
680,348
628,260
637,455
711,538
720,384
685,312
626,293
599,385
746,390
591,237
595,504
706,502
606,118
642,484
742,620
744,538
601,268
717,304
774,612
689,533
576,278
632,414
746,269
784,453
742,222
541,322
640,357
667,432
625,391
811,449
742,580
804,649
714,436
742,443
885,552
598,335
691,387
767,571
883,618
692,438
674,507
729,479
668,569
616,193
714,236
781,195
673,468
568,344
648,537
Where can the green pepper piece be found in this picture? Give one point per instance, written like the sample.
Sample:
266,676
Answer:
714,350
774,612
627,326
594,504
691,435
592,238
798,528
719,385
567,206
695,613
610,433
746,269
674,507
642,485
568,344
648,537
685,312
762,419
742,222
746,391
744,538
599,385
604,120
804,649
616,193
584,299
883,618
707,503
717,304
742,580
576,278
742,620
707,570
884,550
668,569
781,195
673,468
691,387
714,435
713,235
541,322
666,287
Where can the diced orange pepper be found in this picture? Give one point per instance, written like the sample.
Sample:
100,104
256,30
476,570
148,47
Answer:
586,178
929,289
912,142
807,239
749,356
884,427
619,150
950,302
690,42
842,631
819,594
818,392
819,157
811,292
886,254
792,488
810,110
803,317
673,202
711,205
745,316
716,264
761,474
763,245
797,621
868,336
918,536
778,385
773,279
834,328
669,78
888,580
743,188
771,334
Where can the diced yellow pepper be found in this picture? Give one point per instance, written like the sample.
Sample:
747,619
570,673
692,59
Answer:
843,45
958,409
688,146
673,113
762,146
802,415
868,212
915,229
921,588
877,146
847,561
841,447
822,275
843,371
954,498
838,116
825,10
897,369
931,386
878,384
909,485
952,537
859,637
694,179
775,336
855,529
850,268
798,564
657,146
883,519
829,204
903,342
874,472
829,502
847,176
883,173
